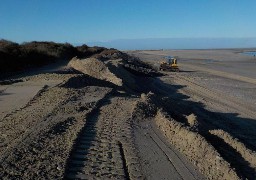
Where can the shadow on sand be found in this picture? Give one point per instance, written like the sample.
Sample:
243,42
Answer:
179,105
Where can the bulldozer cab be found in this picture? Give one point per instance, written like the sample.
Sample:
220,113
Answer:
168,60
171,60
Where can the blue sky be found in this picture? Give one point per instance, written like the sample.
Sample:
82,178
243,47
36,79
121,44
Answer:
81,21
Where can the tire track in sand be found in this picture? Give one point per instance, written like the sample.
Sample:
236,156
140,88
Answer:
218,97
104,148
221,73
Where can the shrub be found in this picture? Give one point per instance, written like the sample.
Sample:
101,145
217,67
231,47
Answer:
15,57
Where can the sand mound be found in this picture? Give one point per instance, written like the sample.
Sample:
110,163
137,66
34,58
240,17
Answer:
95,68
128,79
108,54
246,153
196,148
117,70
192,121
144,108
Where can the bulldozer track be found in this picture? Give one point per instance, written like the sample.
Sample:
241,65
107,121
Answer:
222,74
217,97
222,101
173,157
21,138
159,156
126,172
104,148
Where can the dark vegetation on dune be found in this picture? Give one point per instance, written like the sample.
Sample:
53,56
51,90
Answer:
16,57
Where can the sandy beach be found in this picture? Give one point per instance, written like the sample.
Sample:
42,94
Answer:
119,118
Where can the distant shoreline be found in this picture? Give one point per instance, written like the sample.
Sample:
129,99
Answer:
178,43
235,49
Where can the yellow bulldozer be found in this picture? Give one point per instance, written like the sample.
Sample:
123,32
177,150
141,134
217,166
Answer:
169,64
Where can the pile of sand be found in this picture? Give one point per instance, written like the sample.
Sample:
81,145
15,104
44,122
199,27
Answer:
95,68
196,148
192,121
144,107
247,154
116,71
192,144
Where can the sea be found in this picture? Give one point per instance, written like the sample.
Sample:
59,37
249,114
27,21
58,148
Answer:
250,53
